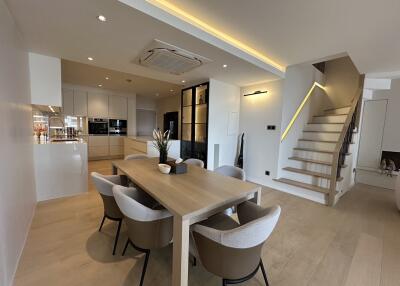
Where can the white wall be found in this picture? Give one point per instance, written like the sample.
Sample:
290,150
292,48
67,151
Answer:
224,100
45,79
145,102
18,197
261,146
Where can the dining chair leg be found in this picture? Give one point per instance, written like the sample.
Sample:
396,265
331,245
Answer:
126,246
102,222
117,236
146,260
264,273
224,282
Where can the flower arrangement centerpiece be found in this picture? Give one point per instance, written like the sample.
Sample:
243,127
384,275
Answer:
161,143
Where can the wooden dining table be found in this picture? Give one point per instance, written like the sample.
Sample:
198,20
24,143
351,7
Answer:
190,197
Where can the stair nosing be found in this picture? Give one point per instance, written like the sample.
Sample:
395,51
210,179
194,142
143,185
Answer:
303,185
307,172
337,108
311,161
313,150
325,123
322,131
335,114
322,141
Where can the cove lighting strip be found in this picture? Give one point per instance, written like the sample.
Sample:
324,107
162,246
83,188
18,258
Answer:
185,16
300,108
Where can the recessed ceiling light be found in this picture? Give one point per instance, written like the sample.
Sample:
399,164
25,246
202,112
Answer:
100,85
101,18
90,58
225,66
107,78
157,94
183,81
171,90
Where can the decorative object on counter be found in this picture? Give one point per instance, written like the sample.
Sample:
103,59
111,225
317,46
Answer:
179,160
161,143
177,168
397,192
164,168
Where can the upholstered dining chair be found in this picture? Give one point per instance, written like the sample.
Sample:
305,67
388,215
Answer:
104,185
234,172
147,228
195,162
136,157
232,250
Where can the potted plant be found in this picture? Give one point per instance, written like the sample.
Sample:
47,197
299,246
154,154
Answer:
161,143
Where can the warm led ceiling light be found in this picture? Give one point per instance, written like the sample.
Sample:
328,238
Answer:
90,58
185,16
102,18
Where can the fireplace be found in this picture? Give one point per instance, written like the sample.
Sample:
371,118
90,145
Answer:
395,156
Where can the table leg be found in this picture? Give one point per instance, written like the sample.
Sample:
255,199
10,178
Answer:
180,260
114,170
257,197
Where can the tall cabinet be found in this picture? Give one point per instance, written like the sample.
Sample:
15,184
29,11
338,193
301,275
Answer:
194,123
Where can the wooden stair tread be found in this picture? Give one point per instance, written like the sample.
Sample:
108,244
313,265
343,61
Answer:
322,131
303,185
333,114
313,150
314,140
310,173
330,109
325,123
313,161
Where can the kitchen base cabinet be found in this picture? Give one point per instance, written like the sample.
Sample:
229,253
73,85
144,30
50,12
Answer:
116,145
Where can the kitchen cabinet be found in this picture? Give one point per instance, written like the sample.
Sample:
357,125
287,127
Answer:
68,101
134,146
118,107
98,146
116,145
80,103
97,105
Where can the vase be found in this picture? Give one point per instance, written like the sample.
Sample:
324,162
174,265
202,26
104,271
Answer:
163,157
397,192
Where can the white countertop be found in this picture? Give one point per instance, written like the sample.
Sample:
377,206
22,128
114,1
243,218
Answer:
144,138
44,142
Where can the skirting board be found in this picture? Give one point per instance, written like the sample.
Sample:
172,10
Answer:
299,192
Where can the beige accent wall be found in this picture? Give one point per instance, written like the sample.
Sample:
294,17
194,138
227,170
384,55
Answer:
342,81
17,192
168,104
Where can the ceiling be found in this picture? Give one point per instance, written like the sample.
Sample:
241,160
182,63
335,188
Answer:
292,32
70,30
89,75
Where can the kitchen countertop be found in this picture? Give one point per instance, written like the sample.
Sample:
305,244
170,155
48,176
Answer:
44,142
144,139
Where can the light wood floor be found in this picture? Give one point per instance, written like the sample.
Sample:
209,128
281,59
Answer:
355,243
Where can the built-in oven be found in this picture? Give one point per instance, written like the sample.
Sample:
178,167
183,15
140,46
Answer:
118,127
98,126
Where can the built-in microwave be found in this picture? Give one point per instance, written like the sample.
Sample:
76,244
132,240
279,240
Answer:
118,126
98,126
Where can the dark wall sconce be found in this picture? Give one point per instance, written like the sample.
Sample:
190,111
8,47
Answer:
256,92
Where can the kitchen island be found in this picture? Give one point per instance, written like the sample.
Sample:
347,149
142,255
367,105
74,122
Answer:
144,145
61,168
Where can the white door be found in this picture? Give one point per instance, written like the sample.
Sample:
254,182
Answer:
372,127
145,122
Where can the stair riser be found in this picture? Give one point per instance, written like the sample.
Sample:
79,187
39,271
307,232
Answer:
344,110
313,155
316,181
321,136
323,127
330,119
310,166
317,145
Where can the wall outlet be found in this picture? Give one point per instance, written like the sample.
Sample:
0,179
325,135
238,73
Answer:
267,173
271,127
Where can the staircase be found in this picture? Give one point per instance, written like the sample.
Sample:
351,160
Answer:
317,153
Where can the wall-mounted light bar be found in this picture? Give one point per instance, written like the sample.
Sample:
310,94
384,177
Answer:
51,108
300,108
255,93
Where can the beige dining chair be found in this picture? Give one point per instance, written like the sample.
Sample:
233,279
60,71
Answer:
148,229
232,250
136,157
195,162
104,185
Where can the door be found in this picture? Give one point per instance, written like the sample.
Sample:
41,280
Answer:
171,123
372,127
145,122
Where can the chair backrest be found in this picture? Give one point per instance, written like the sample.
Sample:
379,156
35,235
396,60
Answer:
257,224
136,205
105,183
147,228
231,171
136,157
195,162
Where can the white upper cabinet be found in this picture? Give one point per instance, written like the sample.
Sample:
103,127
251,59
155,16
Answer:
45,80
80,103
68,101
118,107
97,105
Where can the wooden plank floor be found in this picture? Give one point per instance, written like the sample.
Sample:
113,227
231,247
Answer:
312,244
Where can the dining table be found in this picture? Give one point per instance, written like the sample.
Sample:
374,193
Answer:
190,197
